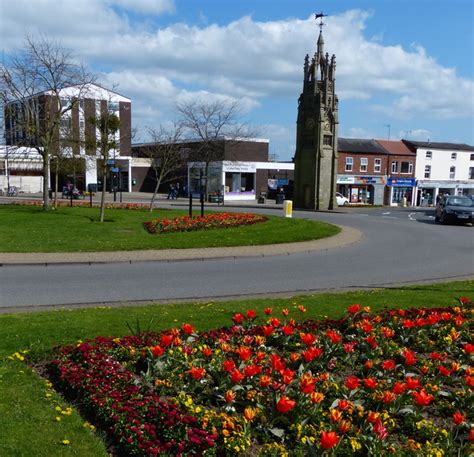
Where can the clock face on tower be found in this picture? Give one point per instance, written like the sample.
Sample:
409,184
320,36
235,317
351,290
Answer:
327,125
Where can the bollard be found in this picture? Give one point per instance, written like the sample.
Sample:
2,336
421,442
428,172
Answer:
288,208
404,202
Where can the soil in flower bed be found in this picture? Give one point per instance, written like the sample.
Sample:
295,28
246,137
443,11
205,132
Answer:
394,383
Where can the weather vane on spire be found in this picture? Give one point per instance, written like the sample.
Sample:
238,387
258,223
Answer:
320,17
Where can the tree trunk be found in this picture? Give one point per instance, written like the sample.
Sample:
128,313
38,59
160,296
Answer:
152,201
56,182
102,197
45,181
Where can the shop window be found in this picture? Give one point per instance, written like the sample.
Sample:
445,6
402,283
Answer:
429,154
406,167
327,140
427,171
471,172
394,167
349,163
363,164
452,172
377,165
454,155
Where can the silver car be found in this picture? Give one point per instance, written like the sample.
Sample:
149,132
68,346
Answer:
455,209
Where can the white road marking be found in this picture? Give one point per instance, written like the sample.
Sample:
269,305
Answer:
411,216
386,213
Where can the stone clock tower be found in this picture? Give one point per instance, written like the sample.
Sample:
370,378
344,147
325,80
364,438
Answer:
316,133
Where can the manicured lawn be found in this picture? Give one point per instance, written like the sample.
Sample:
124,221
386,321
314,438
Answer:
28,407
30,229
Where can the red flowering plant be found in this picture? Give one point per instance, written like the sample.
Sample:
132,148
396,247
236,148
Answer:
399,382
210,221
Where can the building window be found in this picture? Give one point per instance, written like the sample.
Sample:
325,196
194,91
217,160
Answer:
349,163
377,165
427,171
471,172
472,156
453,155
327,140
452,172
394,167
406,167
429,154
113,106
363,164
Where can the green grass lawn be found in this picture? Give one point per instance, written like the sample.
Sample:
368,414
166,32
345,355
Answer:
30,229
29,408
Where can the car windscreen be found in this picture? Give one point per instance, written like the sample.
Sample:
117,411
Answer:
459,201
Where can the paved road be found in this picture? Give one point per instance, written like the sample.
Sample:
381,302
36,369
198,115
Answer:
394,250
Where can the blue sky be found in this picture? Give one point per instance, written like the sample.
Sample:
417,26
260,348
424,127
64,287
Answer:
405,63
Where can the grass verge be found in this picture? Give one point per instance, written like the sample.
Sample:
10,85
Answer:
30,229
29,408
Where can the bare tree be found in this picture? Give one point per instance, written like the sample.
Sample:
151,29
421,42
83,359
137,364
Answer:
166,155
215,125
31,89
107,124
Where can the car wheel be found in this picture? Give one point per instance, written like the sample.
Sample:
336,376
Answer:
346,203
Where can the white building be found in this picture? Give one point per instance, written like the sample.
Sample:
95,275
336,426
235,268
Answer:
442,168
79,105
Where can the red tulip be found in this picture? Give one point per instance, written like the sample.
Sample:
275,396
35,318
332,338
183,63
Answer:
268,311
285,404
197,373
236,376
458,418
238,318
352,382
410,358
228,365
251,314
187,328
422,398
388,364
353,309
157,351
328,439
370,383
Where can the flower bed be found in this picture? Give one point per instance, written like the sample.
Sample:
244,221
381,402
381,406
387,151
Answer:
396,383
211,221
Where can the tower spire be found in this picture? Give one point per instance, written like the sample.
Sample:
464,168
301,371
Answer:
320,38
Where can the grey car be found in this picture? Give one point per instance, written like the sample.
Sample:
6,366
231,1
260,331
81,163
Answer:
455,209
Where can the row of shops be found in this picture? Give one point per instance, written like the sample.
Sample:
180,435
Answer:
380,190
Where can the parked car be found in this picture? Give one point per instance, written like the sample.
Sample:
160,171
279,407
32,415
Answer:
455,209
341,200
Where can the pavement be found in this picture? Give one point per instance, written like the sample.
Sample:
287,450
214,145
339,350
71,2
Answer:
346,237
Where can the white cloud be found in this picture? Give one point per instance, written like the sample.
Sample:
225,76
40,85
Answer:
244,59
357,132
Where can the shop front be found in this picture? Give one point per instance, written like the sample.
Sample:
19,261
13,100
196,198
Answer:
364,190
401,191
427,191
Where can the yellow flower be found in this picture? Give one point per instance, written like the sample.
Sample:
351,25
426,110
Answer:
58,418
66,442
355,445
